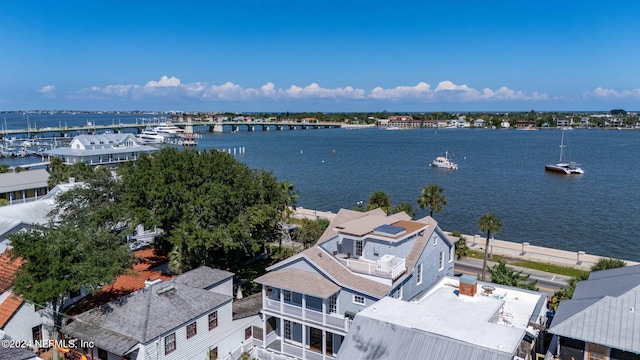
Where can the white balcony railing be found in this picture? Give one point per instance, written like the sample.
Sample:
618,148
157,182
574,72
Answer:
365,267
332,320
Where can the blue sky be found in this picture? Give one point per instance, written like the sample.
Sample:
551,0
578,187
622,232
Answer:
328,56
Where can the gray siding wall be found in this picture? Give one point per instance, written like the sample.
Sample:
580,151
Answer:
398,249
430,267
345,302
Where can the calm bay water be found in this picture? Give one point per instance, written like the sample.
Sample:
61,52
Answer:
501,171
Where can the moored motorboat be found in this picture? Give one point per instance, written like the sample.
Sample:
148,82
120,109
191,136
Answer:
444,162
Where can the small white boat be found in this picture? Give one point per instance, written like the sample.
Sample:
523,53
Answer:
390,128
563,166
444,162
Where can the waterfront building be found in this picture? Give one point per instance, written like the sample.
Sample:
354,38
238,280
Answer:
458,318
601,320
309,300
187,317
102,149
23,186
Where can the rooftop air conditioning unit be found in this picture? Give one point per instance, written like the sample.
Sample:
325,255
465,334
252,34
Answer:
386,260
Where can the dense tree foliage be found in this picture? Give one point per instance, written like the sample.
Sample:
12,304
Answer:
311,230
66,258
461,247
215,210
504,275
60,173
607,263
404,207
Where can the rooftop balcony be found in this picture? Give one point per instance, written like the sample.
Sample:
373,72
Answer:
388,267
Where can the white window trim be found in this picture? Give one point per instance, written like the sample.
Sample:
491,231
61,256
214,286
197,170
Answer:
441,261
435,240
358,302
419,275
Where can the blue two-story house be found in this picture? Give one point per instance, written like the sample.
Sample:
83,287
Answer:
310,299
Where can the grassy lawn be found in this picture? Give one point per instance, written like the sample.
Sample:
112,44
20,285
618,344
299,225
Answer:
554,269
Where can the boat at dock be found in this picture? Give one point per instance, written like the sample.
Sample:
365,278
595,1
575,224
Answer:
444,162
151,136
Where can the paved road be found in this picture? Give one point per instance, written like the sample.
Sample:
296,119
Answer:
547,282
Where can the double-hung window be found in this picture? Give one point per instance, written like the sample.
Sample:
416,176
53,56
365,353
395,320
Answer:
213,320
169,343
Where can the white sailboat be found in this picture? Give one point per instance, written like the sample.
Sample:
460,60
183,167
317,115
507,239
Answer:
563,166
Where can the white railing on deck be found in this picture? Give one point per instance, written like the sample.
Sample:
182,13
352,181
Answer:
333,320
370,268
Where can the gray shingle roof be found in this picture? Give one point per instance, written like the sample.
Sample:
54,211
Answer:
336,272
144,315
300,281
7,353
204,277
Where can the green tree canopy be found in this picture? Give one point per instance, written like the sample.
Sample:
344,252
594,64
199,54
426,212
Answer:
608,263
406,207
431,196
63,259
502,274
379,199
490,223
215,210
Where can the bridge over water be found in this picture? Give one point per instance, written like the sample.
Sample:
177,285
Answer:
213,126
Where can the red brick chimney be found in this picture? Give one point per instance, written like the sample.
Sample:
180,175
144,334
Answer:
468,285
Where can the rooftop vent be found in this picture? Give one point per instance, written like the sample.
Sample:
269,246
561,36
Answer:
389,230
165,290
149,282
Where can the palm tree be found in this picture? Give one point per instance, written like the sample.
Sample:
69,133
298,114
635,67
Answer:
290,197
380,199
488,222
404,206
431,196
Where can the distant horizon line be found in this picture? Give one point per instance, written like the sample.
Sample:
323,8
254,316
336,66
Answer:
298,112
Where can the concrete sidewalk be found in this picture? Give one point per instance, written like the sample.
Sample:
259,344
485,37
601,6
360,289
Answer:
525,251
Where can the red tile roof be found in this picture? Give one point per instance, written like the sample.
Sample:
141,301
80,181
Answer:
8,269
9,307
125,284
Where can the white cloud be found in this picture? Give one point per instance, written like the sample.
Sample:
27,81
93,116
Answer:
165,81
445,91
448,91
48,91
315,91
600,92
